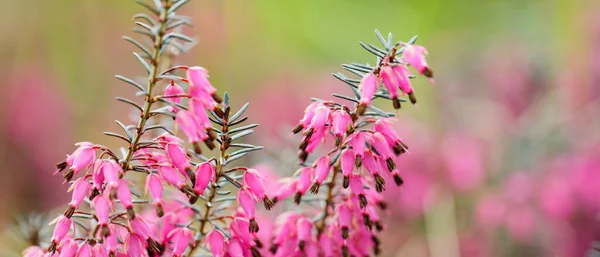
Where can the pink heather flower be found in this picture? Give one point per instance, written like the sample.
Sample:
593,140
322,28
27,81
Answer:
173,91
100,250
82,158
216,240
33,251
97,175
63,225
341,120
177,157
322,167
111,170
253,182
80,189
344,214
81,147
110,241
135,246
246,201
306,176
234,248
171,176
309,113
304,231
368,87
181,238
490,211
198,78
102,207
390,80
403,79
357,141
204,173
521,223
466,172
154,186
68,248
415,56
380,144
139,227
197,108
124,196
322,115
188,125
240,228
166,138
347,162
85,250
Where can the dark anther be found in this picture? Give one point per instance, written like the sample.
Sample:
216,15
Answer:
428,73
197,148
301,245
398,180
412,98
273,248
382,205
159,210
210,144
362,200
298,128
345,232
258,243
303,155
315,188
61,166
391,165
297,198
367,221
68,175
346,182
268,203
379,183
253,226
255,252
130,213
104,231
217,98
396,103
358,161
69,212
191,174
345,251
378,225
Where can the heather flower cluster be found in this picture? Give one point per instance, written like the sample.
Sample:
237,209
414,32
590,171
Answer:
110,215
189,201
365,148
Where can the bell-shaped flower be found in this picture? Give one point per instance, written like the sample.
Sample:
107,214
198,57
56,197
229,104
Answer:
216,241
204,173
367,87
415,56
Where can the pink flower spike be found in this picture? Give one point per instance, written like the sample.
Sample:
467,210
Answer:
198,77
415,56
63,225
368,87
68,248
204,173
216,241
124,196
85,250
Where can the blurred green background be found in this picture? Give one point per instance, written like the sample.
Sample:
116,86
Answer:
58,58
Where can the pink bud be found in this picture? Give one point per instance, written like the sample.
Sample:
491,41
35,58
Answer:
309,113
347,162
368,86
386,128
69,248
253,182
288,189
169,174
246,201
154,185
306,176
61,229
177,157
140,227
80,189
98,175
356,185
124,194
304,229
181,237
340,122
85,250
322,168
216,240
102,207
240,228
111,170
198,77
381,145
204,173
415,56
174,90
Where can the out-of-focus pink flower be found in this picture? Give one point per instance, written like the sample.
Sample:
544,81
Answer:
521,223
216,240
368,87
556,198
85,250
68,248
463,157
490,211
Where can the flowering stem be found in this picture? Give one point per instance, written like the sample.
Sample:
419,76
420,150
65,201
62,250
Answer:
220,165
152,79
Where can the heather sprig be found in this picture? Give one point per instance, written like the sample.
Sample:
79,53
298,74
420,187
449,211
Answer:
366,147
109,215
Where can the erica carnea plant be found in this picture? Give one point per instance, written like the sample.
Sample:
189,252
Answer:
172,189
349,178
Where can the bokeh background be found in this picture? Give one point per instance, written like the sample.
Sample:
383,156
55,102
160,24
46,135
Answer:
505,147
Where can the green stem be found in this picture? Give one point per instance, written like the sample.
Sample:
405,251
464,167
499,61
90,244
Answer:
152,79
